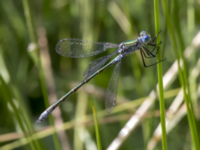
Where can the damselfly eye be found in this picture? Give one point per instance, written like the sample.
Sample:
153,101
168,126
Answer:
146,38
142,33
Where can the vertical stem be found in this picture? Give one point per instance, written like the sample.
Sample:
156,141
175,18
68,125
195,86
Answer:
182,76
160,82
34,54
86,28
190,110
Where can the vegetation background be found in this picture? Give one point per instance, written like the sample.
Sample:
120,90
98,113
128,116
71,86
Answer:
33,75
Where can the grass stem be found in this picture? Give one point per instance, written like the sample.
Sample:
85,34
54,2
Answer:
160,77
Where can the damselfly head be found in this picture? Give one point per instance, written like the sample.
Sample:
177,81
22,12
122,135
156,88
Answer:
142,33
145,37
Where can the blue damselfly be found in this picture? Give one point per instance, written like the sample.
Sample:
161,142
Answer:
76,48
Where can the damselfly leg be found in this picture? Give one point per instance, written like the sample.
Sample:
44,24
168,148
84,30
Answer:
150,53
144,51
154,41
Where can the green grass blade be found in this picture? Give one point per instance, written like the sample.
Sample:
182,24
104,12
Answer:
182,75
184,72
160,82
6,95
26,117
34,54
96,128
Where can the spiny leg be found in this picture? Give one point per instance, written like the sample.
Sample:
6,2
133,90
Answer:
147,53
151,52
154,41
145,49
142,53
157,49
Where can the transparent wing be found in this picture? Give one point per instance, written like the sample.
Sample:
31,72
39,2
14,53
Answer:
96,64
111,93
81,48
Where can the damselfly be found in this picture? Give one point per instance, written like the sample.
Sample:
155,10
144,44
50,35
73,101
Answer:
76,48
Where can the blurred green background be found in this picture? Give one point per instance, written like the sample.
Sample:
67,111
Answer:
23,86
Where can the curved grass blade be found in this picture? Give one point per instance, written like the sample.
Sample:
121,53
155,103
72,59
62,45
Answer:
96,128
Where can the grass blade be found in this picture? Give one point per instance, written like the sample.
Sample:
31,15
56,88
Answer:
160,82
96,128
37,61
182,76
